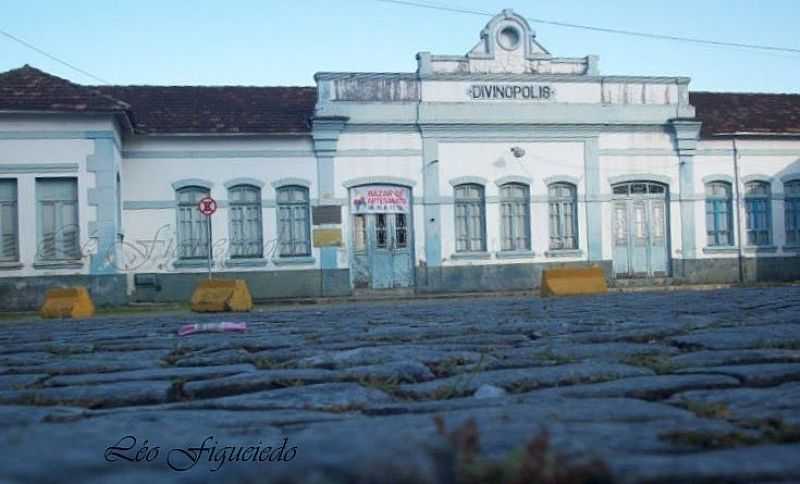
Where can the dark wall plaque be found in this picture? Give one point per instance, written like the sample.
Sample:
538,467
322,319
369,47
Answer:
326,214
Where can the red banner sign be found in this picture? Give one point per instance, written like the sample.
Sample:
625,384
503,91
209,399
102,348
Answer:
379,199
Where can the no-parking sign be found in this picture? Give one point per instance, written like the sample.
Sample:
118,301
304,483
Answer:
207,206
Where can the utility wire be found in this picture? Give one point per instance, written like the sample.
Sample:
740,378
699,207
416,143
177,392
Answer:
52,57
716,43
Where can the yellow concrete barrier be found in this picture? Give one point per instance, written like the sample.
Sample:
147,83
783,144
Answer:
221,295
568,281
67,302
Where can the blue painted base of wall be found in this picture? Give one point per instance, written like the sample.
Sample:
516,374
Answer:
27,293
499,277
266,285
723,271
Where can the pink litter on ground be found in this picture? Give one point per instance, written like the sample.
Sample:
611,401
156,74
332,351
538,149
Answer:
188,329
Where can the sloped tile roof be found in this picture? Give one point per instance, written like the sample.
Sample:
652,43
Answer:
29,89
286,110
730,112
224,109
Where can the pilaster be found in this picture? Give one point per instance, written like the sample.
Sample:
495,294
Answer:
103,196
594,212
432,207
687,133
325,133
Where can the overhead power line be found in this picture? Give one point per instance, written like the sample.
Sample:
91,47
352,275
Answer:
52,57
717,43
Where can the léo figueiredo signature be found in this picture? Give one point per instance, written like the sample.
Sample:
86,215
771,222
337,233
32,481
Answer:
180,459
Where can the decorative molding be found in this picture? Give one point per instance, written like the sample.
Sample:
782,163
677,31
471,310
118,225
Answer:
149,204
381,128
244,181
748,152
717,178
283,182
760,249
757,177
643,177
503,180
58,264
637,152
687,134
463,180
515,254
470,255
303,260
190,263
376,180
205,154
720,250
377,153
44,135
790,177
23,168
256,262
482,77
10,265
572,180
192,182
553,253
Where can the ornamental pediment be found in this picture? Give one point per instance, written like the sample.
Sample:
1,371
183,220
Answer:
507,45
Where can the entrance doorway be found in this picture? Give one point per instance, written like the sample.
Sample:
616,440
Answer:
382,237
641,241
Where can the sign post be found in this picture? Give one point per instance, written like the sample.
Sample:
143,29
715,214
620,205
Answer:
207,207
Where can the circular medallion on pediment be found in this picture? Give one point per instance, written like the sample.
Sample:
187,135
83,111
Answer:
509,37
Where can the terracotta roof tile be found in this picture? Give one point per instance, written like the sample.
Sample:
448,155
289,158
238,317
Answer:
276,110
224,109
29,89
729,112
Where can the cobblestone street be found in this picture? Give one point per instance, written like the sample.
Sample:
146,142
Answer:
697,386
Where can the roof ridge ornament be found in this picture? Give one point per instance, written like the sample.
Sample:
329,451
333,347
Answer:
507,45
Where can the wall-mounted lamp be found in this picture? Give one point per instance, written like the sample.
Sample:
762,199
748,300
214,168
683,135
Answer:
518,152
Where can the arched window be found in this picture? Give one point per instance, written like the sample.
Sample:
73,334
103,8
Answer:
563,216
192,225
470,218
293,221
757,208
791,192
515,211
719,214
245,221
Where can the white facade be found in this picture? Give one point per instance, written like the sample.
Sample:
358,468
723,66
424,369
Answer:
506,113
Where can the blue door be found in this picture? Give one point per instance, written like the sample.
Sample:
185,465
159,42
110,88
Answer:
640,247
382,256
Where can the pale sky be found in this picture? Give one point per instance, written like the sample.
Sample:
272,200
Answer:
284,42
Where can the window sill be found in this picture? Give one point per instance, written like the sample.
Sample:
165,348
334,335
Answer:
720,250
58,264
10,265
289,260
470,255
244,262
514,254
564,253
760,249
190,263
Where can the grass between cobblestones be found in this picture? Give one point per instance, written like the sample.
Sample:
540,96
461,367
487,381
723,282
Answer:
535,463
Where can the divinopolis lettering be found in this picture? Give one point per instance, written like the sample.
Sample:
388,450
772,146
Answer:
531,92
